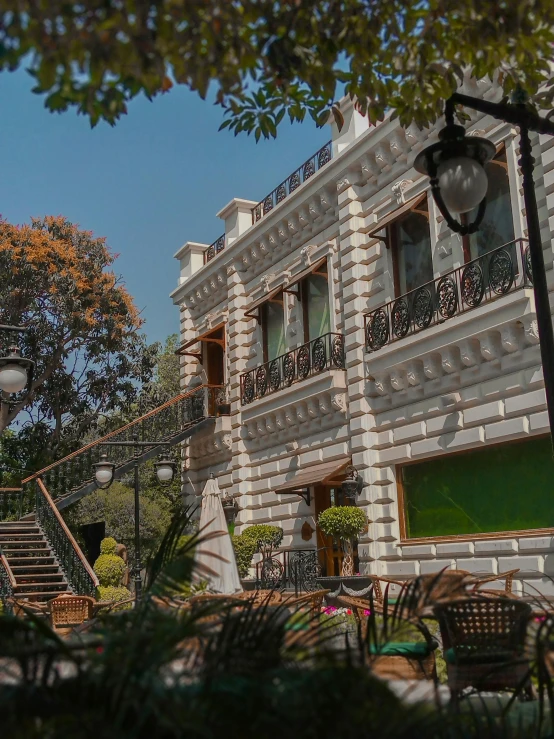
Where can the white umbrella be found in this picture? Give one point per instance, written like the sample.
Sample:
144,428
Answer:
215,554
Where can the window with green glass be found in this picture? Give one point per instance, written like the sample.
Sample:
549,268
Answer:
315,301
500,488
273,327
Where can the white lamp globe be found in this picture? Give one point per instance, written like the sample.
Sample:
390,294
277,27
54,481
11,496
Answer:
463,184
103,474
13,377
165,472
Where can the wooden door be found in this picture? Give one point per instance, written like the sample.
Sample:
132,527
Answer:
330,555
215,367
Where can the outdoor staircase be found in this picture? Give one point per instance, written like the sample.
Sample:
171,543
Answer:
37,572
39,558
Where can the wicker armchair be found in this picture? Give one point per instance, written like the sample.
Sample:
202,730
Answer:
261,597
484,643
68,611
396,660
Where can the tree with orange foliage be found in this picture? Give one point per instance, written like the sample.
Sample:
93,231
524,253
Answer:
83,333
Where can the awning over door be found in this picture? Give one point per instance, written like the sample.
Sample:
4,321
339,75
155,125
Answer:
316,474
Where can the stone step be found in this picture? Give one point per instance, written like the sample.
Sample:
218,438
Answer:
31,560
39,577
25,545
17,537
23,569
45,587
41,596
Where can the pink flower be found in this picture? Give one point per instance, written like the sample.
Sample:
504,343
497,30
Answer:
366,612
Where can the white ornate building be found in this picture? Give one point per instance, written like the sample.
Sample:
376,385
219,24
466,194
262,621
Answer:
350,325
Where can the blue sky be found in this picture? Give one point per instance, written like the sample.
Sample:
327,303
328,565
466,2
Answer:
149,184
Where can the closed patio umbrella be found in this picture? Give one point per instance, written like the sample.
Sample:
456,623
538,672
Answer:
215,554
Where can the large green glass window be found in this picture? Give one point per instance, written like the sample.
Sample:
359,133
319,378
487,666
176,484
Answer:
315,300
273,327
500,488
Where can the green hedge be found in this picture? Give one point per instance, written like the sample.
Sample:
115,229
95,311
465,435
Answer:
110,593
244,551
108,545
264,536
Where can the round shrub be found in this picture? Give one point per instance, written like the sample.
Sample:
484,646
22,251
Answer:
108,545
264,536
343,523
109,570
111,593
244,551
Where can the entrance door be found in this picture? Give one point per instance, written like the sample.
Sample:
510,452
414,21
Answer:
330,552
214,363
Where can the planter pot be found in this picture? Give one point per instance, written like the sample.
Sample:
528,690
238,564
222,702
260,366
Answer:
224,409
358,586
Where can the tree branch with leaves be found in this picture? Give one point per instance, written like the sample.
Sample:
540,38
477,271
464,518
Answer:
83,332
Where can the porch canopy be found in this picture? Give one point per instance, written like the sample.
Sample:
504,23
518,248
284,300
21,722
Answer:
324,473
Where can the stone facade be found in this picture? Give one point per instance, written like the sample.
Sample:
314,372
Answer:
472,380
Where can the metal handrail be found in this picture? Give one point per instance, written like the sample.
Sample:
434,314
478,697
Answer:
325,352
78,571
7,583
482,280
98,442
293,181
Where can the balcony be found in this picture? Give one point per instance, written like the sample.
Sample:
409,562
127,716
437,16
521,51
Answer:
293,181
313,358
483,280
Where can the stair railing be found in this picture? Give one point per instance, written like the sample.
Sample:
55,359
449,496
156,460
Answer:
11,504
168,424
7,584
80,575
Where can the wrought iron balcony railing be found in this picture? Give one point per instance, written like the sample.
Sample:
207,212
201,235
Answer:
214,249
482,280
304,172
11,503
296,569
318,355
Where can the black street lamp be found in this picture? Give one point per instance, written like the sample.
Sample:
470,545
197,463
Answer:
16,372
353,484
230,508
459,184
104,472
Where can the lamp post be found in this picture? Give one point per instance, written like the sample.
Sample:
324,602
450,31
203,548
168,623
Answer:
104,472
459,184
16,372
353,483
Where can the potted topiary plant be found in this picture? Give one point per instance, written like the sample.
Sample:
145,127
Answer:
110,570
344,524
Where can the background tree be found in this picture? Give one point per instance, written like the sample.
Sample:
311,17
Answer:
270,59
116,506
91,358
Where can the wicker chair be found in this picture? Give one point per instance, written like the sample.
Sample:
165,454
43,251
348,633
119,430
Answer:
396,660
484,643
68,611
261,597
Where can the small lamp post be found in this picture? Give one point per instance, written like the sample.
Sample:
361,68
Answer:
459,184
230,508
16,372
104,472
352,486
